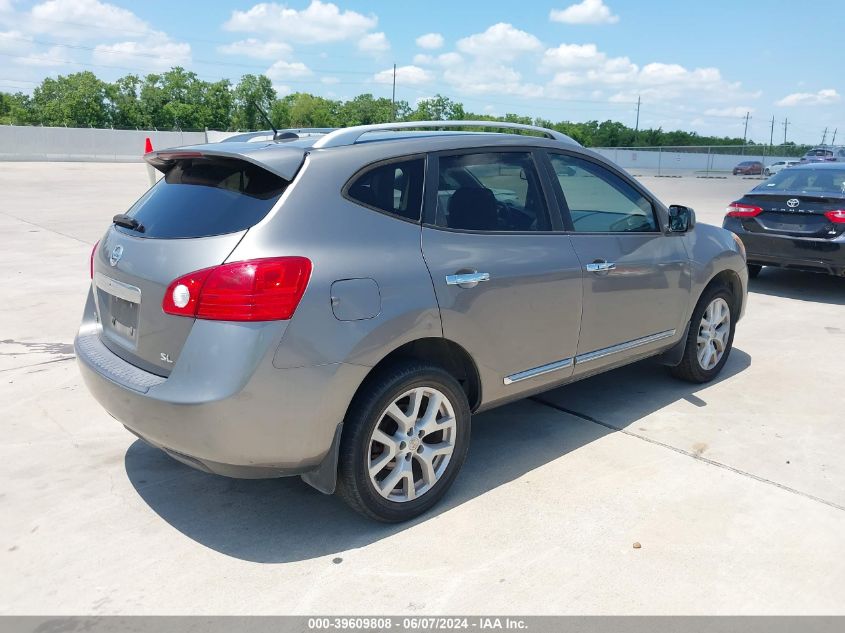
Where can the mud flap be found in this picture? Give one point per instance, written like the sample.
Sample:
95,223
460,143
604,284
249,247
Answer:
324,477
673,356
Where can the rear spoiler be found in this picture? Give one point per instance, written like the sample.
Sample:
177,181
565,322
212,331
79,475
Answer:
282,160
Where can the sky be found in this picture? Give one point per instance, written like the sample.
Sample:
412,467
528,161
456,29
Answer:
697,66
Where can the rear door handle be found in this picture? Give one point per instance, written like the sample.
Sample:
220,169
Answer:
467,280
600,266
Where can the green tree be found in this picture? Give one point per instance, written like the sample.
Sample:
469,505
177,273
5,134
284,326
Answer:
252,90
124,95
77,100
438,108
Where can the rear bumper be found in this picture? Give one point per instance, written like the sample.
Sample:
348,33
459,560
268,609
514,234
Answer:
791,252
268,423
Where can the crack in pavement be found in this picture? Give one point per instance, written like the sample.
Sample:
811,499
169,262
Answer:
46,362
14,217
694,455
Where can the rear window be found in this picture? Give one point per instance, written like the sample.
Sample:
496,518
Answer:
395,187
200,197
806,180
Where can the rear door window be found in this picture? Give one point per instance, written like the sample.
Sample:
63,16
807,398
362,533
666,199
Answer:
490,191
200,197
395,187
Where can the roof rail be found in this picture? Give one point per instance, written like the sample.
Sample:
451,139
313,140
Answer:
350,135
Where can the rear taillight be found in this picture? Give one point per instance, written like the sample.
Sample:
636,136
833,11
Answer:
91,259
837,216
254,290
742,210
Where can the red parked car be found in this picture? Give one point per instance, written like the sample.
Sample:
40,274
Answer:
749,168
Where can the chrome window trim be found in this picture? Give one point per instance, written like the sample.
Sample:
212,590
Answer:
117,288
623,347
538,371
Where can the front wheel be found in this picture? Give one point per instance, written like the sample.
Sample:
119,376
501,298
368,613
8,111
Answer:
710,337
404,440
767,173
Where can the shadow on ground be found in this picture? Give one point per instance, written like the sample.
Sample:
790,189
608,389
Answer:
282,520
795,284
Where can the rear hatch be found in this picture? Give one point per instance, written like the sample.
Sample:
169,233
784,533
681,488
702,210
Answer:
191,219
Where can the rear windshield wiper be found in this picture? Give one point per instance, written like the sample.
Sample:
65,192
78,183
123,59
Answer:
121,219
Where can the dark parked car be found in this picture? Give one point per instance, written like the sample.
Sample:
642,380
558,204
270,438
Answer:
796,219
749,168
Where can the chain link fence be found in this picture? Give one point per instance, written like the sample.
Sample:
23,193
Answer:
704,161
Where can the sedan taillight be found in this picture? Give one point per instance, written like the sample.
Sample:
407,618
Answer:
742,210
837,216
253,290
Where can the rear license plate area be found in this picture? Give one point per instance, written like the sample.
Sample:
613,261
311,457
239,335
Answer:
119,305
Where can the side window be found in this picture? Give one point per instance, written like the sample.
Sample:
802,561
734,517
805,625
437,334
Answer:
599,201
394,188
490,191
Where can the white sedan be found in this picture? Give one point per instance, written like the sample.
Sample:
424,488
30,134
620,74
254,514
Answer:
778,166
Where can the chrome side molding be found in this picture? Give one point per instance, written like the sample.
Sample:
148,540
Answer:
538,371
585,358
623,347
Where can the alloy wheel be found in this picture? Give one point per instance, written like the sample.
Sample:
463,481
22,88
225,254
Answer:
713,333
411,444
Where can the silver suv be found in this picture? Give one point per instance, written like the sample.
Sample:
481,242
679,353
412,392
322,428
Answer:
337,306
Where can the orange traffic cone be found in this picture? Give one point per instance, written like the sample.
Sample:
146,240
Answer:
151,172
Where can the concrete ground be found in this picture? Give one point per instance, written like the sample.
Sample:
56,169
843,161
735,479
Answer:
736,490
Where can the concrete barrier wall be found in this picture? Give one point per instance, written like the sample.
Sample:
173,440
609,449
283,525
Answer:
29,143
669,161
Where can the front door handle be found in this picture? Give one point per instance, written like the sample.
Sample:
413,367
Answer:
600,266
467,280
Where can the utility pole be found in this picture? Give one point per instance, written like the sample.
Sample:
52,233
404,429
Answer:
772,134
833,140
393,98
745,133
824,136
637,126
785,125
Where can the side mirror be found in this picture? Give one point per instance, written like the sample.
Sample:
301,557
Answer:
681,219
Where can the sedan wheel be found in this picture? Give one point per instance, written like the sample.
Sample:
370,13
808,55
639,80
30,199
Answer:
713,333
412,444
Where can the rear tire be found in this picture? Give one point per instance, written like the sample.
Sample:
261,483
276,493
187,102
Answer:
710,337
754,270
404,441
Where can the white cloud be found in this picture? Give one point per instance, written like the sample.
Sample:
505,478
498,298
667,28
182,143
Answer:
14,42
408,75
585,12
84,19
259,49
374,43
430,41
490,78
446,59
567,56
735,111
319,22
822,97
501,41
282,70
54,57
157,52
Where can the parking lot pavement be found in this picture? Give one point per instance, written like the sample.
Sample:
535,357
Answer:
735,490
